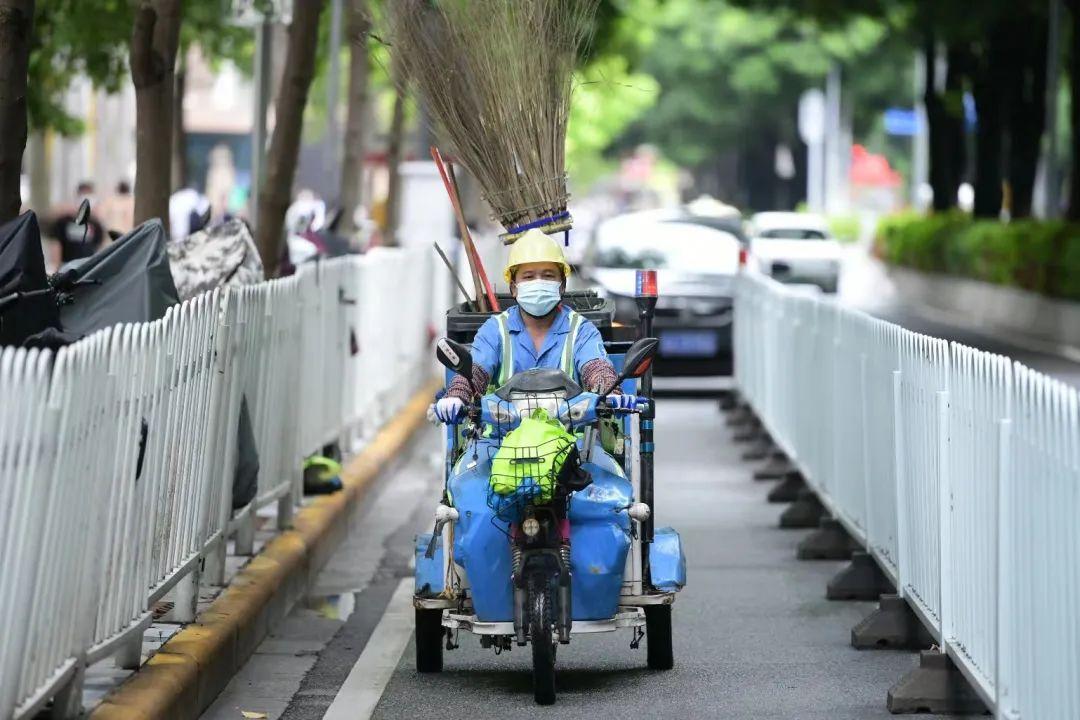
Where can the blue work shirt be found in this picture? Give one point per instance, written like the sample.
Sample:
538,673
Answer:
487,345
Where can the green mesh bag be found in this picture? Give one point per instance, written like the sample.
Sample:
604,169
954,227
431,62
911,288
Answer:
531,457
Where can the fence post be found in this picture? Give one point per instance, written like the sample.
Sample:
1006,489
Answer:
214,561
285,510
864,394
129,653
1002,606
185,598
944,520
68,701
245,533
901,500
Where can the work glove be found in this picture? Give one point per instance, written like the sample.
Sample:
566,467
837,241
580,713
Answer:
449,410
625,402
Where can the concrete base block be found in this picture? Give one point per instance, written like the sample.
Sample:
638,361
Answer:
937,687
777,468
893,626
741,416
788,489
861,580
805,512
759,452
829,542
749,434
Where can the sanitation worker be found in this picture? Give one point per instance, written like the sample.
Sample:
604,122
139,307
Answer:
539,332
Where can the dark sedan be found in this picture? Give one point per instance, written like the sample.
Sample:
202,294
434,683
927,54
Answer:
697,266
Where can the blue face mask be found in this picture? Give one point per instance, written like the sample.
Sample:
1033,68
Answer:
539,297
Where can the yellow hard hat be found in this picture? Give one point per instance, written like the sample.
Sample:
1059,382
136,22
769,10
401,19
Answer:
533,247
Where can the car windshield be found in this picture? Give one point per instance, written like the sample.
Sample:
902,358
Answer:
792,234
668,246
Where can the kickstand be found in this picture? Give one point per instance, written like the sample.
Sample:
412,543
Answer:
635,643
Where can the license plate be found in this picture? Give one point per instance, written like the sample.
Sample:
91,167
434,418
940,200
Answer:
689,343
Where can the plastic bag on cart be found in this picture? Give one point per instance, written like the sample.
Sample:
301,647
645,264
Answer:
22,269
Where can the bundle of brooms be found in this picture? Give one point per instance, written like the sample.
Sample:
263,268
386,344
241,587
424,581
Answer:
497,75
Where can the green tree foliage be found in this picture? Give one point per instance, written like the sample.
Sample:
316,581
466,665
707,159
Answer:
90,38
728,72
73,37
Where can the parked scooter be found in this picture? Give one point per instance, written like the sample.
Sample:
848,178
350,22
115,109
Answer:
26,303
537,543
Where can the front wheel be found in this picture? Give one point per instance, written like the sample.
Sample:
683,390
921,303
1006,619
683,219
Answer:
429,641
658,637
541,620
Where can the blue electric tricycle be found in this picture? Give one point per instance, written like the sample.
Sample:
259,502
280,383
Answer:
555,541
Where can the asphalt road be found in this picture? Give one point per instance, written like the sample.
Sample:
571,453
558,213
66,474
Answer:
866,285
754,635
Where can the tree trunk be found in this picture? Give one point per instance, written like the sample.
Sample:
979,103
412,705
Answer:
38,162
353,163
393,163
1074,112
958,57
945,121
284,151
1027,108
988,86
935,126
16,31
154,42
179,136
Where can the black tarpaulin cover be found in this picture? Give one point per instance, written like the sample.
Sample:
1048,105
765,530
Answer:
22,269
129,281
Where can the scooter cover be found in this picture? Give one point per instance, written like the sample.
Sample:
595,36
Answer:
223,255
22,269
128,281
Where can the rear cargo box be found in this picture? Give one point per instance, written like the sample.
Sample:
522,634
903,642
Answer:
462,322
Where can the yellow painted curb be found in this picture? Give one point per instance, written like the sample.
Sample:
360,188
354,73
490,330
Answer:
190,670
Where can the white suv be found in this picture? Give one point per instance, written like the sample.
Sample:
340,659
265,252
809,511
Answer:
795,248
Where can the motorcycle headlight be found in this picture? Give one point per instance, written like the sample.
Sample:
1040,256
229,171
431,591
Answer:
577,411
530,526
502,413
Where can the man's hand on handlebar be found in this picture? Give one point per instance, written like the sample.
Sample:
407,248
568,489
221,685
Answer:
449,410
626,403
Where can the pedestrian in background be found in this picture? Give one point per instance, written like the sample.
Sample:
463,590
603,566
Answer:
118,210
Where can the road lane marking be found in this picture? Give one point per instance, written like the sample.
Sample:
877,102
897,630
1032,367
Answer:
364,687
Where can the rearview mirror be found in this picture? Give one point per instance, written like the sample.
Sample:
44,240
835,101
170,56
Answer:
455,356
639,357
82,215
637,361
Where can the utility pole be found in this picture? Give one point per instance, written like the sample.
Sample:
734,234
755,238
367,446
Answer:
331,143
812,132
834,161
920,143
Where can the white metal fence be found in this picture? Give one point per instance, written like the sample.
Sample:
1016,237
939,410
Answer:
117,452
958,470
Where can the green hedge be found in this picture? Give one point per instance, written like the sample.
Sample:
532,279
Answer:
1043,257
